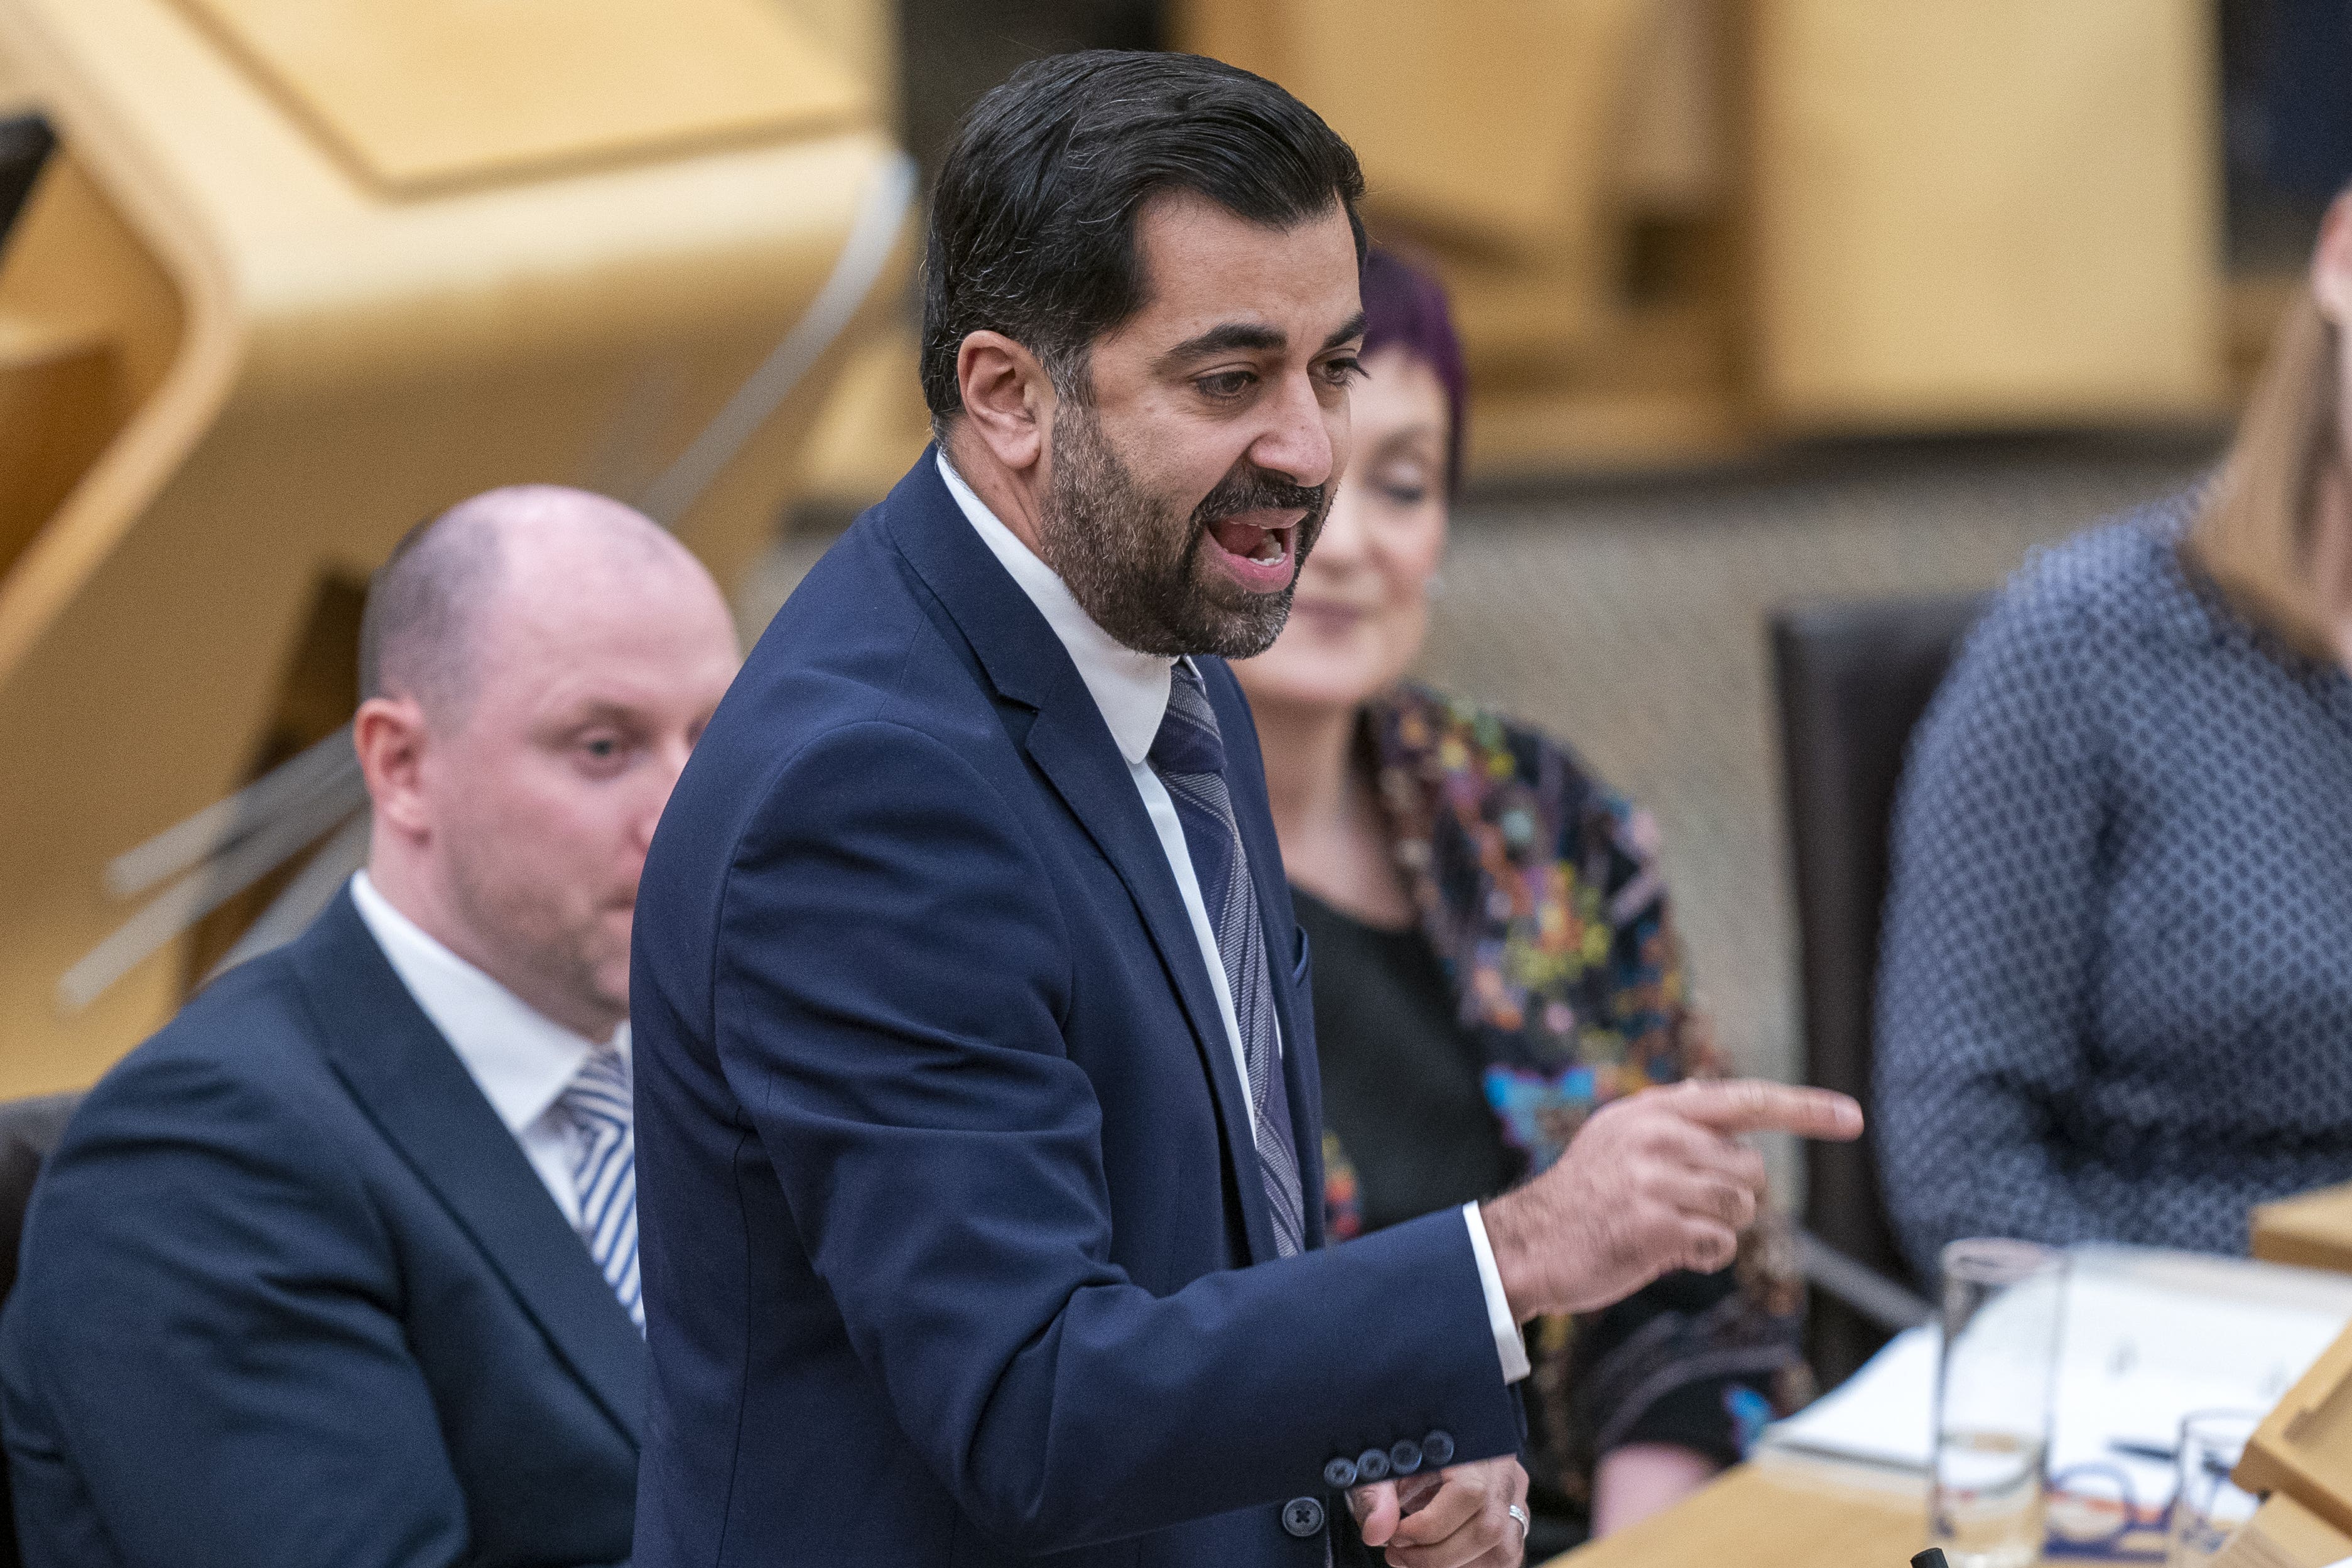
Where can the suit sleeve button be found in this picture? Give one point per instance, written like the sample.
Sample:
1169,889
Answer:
1302,1517
1404,1457
1339,1474
1437,1449
1371,1465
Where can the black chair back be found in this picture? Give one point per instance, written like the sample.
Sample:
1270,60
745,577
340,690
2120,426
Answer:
29,1129
1853,681
25,142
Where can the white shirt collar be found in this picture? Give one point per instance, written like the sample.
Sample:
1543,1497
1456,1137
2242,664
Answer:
521,1058
1130,688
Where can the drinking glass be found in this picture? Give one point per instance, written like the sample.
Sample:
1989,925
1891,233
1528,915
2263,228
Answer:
1993,1386
2207,1505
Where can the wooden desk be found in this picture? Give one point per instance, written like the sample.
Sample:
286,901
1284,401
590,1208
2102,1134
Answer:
1784,1511
2314,1230
1773,1514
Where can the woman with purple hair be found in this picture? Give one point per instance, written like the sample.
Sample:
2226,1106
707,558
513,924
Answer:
1493,958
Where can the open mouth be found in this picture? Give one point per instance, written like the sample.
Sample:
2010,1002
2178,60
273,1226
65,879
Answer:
1257,553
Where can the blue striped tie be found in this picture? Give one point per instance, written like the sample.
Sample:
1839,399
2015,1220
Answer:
1189,754
605,1178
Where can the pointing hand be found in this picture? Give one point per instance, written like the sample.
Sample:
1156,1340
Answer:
1651,1183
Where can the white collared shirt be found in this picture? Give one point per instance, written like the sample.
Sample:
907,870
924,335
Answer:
1131,690
521,1058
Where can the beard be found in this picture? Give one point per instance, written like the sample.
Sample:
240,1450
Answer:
1132,559
564,962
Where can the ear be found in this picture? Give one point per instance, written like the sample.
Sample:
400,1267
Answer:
2331,262
1008,398
389,734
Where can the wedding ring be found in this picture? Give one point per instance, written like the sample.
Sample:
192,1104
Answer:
1521,1515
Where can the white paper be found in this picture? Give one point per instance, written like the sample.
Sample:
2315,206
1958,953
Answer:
1882,1414
2149,1337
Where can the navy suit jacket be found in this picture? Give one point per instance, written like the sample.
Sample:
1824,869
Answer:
955,1246
292,1295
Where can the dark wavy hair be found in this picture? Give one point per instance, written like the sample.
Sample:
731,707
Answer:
1405,307
1033,223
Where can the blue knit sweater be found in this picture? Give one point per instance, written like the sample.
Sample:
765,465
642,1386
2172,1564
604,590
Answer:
2116,995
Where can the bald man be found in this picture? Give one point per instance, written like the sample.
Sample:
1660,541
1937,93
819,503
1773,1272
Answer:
340,1267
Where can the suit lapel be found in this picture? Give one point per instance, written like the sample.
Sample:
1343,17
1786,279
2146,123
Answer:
411,1084
1092,780
1071,745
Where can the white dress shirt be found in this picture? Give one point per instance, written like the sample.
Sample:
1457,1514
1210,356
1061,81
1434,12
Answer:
1131,690
522,1060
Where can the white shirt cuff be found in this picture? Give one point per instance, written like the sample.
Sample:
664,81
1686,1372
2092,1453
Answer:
1510,1345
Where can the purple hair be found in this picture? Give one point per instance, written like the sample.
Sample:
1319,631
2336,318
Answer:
1405,307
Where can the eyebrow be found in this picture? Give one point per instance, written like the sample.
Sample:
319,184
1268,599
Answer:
1252,336
1352,327
596,711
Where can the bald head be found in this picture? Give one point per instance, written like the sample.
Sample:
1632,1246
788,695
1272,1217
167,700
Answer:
419,635
539,663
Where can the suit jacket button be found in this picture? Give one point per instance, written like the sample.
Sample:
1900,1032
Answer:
1339,1474
1372,1465
1404,1457
1302,1517
1437,1449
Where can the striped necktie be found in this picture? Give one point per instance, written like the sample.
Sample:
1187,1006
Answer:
604,1177
1189,754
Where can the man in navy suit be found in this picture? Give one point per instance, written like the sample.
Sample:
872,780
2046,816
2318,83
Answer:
977,1097
341,1265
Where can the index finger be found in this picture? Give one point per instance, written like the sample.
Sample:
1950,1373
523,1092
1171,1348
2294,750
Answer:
1755,1105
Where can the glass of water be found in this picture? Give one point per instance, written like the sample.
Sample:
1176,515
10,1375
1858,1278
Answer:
2207,1505
2002,1303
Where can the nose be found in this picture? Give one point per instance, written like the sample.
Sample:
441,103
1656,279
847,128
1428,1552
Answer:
1304,440
1345,543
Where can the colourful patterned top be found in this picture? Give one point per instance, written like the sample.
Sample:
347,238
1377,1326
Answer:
1538,889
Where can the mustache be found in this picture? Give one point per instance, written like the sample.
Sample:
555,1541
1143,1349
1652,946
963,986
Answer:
1249,488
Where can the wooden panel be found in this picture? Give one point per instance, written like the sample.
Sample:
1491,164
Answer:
1997,213
56,406
88,323
347,363
1244,32
862,37
1525,168
1652,387
871,429
422,94
1676,156
75,267
1538,315
16,92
